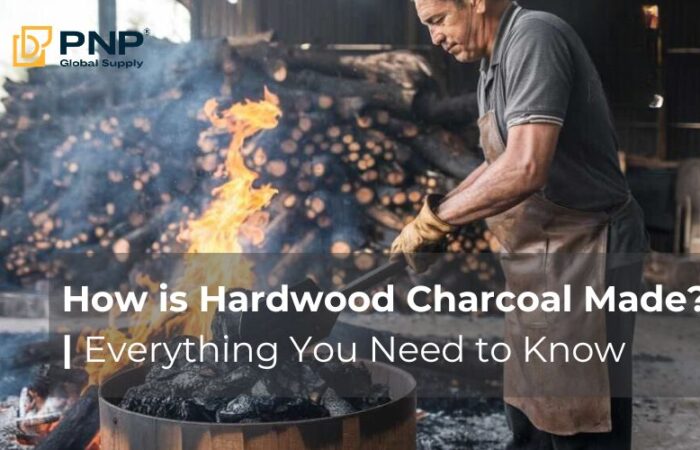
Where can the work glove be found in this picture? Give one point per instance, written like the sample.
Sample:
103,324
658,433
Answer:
423,234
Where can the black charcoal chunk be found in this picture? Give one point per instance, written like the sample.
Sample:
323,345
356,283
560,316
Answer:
208,391
187,382
193,377
231,384
192,411
210,405
246,407
336,405
203,369
237,409
150,399
376,396
348,380
311,380
181,344
267,387
159,373
214,355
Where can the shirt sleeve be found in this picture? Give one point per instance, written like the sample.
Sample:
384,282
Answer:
538,72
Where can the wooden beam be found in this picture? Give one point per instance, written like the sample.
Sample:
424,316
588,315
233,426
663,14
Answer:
196,19
107,16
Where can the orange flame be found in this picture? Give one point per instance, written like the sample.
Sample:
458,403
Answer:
217,230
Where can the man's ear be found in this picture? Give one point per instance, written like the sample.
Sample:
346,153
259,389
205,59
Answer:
479,6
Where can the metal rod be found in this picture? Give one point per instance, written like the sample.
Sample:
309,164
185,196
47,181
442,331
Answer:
373,277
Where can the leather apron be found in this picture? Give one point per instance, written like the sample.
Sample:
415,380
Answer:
544,247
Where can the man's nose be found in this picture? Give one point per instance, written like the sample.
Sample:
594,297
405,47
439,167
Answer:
437,37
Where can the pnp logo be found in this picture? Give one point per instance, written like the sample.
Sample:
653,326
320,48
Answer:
29,47
117,43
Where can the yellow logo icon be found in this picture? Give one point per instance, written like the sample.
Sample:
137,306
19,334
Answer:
29,49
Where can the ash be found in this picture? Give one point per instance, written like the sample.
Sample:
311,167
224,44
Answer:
454,414
8,424
461,429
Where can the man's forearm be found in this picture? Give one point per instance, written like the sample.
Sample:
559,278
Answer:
467,182
515,175
498,187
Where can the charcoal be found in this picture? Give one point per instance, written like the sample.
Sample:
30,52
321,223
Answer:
169,408
210,405
288,378
336,405
232,384
161,356
243,376
194,411
377,395
209,391
211,356
158,373
265,387
311,380
245,407
348,380
203,369
148,398
188,382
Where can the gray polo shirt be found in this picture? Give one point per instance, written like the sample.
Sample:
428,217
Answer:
540,72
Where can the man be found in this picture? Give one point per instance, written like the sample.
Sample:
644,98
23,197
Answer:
551,190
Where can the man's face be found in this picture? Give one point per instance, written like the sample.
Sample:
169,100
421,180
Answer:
454,27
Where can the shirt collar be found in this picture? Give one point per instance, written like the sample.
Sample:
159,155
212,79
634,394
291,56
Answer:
504,27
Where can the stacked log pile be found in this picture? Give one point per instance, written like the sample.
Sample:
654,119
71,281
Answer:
94,160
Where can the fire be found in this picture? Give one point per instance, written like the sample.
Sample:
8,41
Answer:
233,212
219,228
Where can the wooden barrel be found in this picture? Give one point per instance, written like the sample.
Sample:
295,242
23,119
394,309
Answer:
391,426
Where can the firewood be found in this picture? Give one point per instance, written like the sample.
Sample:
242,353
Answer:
432,108
387,96
364,261
370,176
289,146
403,68
325,101
288,268
346,239
317,202
385,217
415,195
251,39
135,243
333,132
348,108
389,196
447,152
78,425
330,170
364,195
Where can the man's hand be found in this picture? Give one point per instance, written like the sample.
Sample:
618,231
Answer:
423,233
